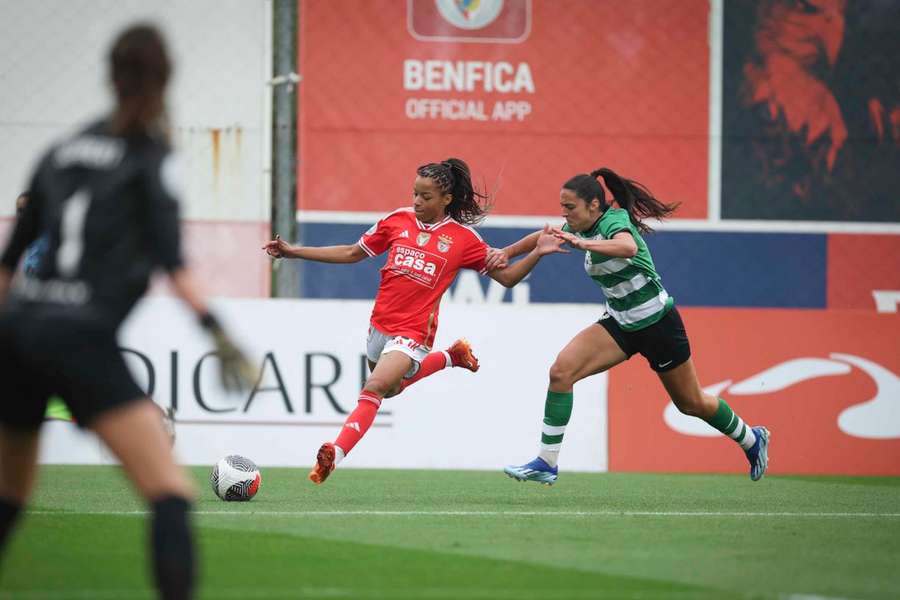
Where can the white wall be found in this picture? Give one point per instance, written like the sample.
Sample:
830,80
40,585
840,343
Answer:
53,78
454,419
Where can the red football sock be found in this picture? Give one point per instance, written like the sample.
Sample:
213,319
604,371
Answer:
359,421
431,364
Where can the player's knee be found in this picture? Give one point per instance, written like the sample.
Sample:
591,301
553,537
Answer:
175,483
561,375
379,386
692,405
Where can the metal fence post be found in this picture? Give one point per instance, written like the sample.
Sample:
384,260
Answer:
285,280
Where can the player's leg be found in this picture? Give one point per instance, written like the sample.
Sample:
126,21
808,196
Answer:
684,389
21,414
386,376
104,397
593,350
459,354
666,346
136,435
18,466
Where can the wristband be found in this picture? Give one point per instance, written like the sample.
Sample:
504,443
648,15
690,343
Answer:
209,322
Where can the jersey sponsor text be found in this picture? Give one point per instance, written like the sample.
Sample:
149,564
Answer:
423,267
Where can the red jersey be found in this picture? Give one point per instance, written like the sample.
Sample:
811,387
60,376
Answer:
422,262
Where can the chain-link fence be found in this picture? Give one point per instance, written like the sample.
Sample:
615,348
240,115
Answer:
53,75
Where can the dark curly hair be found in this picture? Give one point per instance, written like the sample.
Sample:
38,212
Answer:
469,205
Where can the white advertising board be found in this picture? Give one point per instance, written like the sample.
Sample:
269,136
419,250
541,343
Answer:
311,354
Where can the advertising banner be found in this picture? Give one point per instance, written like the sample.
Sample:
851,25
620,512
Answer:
864,271
699,268
810,110
528,93
311,355
825,383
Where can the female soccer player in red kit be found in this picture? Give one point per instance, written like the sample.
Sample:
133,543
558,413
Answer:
426,244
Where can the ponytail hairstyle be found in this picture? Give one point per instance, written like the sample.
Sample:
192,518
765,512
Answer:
628,194
452,176
139,70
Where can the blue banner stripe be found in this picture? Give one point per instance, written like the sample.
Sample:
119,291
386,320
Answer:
782,270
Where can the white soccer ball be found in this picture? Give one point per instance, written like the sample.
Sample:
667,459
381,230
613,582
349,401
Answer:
235,478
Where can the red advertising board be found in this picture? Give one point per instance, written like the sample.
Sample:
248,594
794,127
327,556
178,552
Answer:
825,383
861,266
529,93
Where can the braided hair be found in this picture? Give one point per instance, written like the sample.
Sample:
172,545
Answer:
452,176
628,194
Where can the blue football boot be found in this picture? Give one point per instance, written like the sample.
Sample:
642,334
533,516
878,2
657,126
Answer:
758,455
536,470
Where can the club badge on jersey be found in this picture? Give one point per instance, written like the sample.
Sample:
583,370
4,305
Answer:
444,242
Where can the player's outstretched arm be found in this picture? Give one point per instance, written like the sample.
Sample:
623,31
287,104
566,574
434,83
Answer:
621,245
351,253
526,244
545,243
498,258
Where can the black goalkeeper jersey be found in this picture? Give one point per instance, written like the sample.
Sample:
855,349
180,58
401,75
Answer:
109,211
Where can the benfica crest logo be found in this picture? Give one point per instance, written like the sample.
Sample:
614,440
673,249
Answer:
423,238
444,242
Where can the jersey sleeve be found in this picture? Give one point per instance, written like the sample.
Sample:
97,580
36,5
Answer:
377,238
27,225
475,255
163,187
615,222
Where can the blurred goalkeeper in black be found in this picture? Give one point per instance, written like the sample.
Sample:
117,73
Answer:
107,201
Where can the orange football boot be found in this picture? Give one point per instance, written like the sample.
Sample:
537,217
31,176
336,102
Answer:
324,464
461,355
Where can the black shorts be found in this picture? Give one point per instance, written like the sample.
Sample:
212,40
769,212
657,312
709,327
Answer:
72,356
664,344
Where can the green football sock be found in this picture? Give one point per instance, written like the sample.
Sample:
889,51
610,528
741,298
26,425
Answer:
728,422
557,410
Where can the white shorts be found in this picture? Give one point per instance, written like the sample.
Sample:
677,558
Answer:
379,343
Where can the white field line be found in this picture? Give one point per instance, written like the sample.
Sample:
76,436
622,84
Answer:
298,593
487,513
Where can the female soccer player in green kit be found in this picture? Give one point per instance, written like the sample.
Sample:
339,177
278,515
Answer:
641,318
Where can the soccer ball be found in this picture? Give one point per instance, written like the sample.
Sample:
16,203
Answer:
235,478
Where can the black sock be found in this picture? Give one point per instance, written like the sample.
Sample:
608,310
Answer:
173,548
9,514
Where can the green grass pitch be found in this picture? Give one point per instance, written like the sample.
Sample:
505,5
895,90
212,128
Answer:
475,535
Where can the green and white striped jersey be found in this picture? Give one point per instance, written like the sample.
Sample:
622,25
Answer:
635,297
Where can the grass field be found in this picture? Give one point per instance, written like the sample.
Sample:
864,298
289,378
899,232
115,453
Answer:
476,535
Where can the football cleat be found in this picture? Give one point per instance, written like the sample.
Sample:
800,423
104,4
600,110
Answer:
324,464
758,455
461,355
537,470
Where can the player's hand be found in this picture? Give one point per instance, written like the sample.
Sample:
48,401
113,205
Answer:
570,238
277,248
496,259
237,372
549,243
